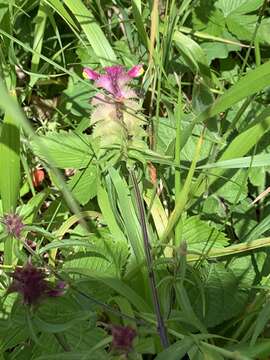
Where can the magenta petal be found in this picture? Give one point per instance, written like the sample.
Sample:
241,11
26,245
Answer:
114,71
90,74
135,71
105,82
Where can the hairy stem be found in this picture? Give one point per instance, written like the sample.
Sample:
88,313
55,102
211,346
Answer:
149,261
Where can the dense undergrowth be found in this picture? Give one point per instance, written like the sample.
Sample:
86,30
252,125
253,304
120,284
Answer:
134,174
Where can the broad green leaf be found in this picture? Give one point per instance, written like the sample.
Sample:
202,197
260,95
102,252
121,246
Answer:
201,236
116,284
83,184
242,26
237,17
207,18
238,6
76,99
223,293
60,322
104,256
65,149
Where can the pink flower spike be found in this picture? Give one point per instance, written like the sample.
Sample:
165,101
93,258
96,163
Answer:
114,81
135,71
90,74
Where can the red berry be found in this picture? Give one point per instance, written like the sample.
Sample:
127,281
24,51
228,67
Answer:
38,176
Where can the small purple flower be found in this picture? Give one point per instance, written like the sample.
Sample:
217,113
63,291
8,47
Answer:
14,224
123,337
31,283
115,80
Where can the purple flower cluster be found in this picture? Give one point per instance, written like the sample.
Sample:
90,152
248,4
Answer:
123,337
30,282
13,224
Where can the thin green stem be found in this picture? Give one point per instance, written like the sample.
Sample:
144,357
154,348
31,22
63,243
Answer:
262,9
177,176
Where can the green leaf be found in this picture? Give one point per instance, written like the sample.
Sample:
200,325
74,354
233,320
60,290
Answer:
259,160
201,236
60,9
129,216
10,174
260,350
242,26
83,184
107,212
140,23
93,32
74,356
193,54
59,244
261,322
75,99
224,297
238,6
240,145
64,149
206,17
108,256
237,20
176,351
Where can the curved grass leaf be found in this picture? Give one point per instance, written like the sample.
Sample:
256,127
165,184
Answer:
93,32
192,53
241,162
59,244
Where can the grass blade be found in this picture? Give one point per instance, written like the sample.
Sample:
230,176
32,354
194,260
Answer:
10,173
93,32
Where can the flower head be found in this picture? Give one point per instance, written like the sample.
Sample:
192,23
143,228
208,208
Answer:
123,337
116,114
14,224
31,283
115,80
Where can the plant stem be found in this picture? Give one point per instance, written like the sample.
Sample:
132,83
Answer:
177,176
253,39
149,261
